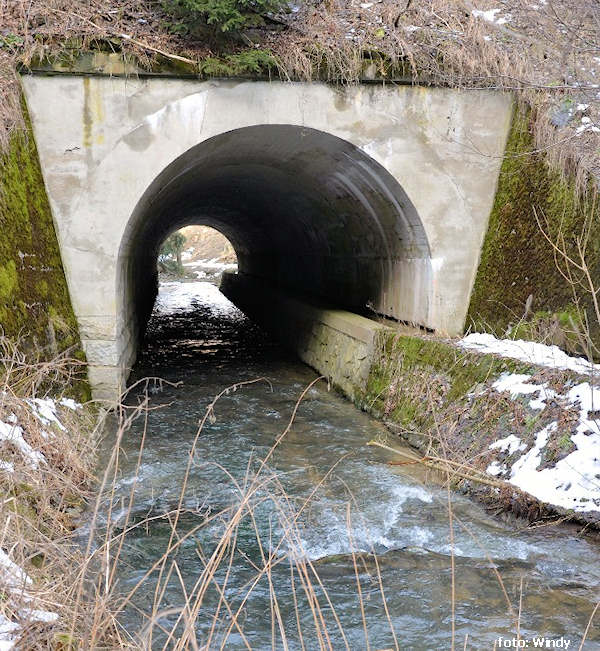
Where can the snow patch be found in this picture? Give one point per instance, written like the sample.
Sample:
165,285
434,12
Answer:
214,263
490,16
44,409
12,575
7,466
18,581
586,125
496,469
574,481
69,403
510,444
8,633
518,384
176,295
14,434
515,383
530,352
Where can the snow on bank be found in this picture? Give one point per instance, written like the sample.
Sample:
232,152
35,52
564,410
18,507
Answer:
213,265
207,268
20,601
175,295
574,481
530,352
490,16
12,433
16,584
45,411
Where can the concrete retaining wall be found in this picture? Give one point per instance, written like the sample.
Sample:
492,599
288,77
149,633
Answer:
336,343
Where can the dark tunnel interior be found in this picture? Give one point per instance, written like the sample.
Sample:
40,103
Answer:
305,211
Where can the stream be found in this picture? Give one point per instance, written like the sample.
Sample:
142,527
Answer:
324,505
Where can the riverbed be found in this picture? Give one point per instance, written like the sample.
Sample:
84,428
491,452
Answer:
383,567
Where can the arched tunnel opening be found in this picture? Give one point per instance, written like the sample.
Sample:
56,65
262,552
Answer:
195,253
306,212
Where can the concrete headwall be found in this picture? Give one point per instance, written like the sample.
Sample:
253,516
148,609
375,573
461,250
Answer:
336,343
367,194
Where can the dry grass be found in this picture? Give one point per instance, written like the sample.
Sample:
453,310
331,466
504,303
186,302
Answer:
38,500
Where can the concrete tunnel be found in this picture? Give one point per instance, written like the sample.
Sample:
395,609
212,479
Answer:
305,211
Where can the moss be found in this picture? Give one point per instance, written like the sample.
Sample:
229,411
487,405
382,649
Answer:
42,288
8,279
33,289
517,261
258,62
412,377
246,62
106,56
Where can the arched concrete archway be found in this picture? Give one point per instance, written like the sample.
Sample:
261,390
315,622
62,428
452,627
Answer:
103,147
305,211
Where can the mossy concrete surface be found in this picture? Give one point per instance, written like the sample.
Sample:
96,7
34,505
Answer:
413,381
250,63
518,261
34,299
104,57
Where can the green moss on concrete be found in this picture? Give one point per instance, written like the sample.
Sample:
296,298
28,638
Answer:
34,299
518,261
8,279
107,57
259,63
414,378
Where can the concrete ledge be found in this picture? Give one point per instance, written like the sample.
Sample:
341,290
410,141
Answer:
107,383
336,343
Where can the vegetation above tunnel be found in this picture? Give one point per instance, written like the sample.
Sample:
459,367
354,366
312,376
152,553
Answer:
541,52
196,17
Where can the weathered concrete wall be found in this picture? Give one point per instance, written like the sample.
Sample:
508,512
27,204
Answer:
519,262
404,199
336,343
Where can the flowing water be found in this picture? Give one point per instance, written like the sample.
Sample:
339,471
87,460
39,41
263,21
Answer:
360,504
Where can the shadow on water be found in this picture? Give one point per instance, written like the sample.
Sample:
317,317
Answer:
198,338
